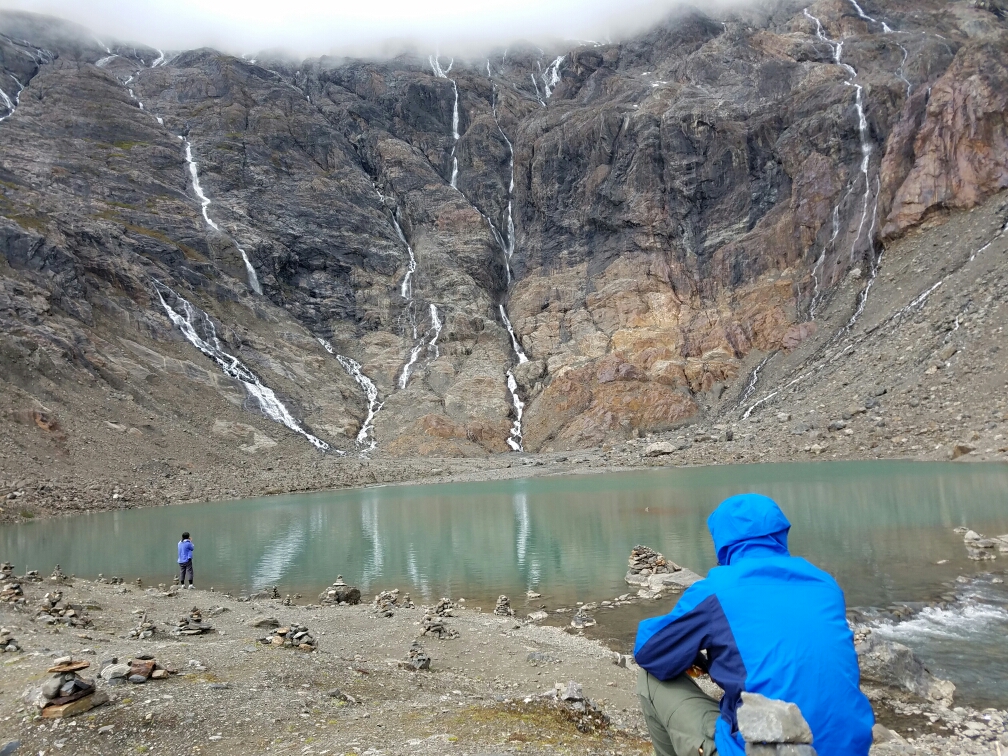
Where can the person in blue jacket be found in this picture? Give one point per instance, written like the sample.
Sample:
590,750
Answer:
769,623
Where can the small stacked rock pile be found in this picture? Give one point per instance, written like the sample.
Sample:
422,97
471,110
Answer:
582,619
416,659
138,671
583,713
11,593
116,580
503,608
435,625
6,571
59,577
54,610
292,636
443,608
144,629
773,728
979,548
386,602
7,642
66,693
653,573
645,561
340,594
192,624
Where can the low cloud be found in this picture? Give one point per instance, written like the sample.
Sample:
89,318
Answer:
378,27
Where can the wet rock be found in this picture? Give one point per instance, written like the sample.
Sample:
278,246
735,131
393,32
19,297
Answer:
538,616
582,620
503,607
895,665
766,720
339,593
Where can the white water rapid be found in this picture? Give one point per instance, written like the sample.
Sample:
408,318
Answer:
354,370
200,331
514,339
253,279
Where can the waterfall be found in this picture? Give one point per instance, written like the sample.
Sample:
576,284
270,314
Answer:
551,76
442,73
253,279
866,153
11,106
436,325
354,370
191,321
514,339
158,60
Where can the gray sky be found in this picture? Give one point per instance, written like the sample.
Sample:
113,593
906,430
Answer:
312,27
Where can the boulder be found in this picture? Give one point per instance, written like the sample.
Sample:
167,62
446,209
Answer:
895,665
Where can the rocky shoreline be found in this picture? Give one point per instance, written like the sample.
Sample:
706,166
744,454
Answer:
264,674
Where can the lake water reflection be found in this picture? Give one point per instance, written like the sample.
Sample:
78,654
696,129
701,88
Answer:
879,527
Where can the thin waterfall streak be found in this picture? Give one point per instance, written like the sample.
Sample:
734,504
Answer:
436,325
210,345
354,370
414,354
253,278
753,380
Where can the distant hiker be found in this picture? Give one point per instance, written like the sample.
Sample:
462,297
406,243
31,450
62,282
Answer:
771,624
185,550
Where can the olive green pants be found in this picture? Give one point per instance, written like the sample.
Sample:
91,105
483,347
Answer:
679,716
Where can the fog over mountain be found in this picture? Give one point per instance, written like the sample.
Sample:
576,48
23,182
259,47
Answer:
316,27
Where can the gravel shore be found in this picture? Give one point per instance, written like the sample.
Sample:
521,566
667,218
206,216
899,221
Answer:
488,691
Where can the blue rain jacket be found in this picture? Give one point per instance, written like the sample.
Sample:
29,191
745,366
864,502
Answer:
185,551
771,624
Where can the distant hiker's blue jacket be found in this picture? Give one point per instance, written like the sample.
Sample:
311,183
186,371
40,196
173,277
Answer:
185,550
772,624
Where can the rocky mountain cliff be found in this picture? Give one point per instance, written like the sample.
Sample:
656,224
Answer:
427,256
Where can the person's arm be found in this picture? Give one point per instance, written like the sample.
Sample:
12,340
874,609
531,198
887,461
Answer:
667,646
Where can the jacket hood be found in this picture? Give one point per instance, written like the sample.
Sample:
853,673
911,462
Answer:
748,525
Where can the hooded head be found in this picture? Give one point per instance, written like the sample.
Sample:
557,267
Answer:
748,525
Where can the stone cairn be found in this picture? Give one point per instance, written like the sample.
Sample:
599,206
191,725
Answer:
66,693
54,610
59,577
582,619
340,594
443,608
291,636
386,602
144,629
116,580
192,624
10,592
416,659
645,561
503,608
138,671
7,642
436,626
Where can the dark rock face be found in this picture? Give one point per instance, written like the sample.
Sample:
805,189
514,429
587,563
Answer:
643,214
